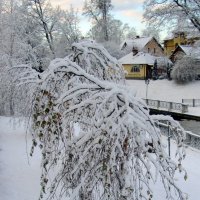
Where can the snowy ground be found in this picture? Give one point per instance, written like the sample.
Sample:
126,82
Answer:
168,91
20,180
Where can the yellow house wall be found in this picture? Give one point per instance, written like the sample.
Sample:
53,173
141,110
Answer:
136,75
170,45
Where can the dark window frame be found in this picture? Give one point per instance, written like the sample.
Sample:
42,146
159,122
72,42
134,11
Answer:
135,69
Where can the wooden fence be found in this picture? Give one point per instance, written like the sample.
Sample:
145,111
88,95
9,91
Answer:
169,106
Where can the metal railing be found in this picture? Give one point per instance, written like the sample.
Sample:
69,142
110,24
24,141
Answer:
169,106
192,139
191,102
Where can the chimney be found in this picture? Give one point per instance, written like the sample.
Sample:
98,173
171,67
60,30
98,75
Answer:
135,51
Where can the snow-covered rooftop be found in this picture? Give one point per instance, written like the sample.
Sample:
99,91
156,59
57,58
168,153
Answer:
140,58
191,50
193,34
138,43
186,48
189,35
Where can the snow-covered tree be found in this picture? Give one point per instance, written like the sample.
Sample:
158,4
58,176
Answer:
19,43
187,69
168,12
95,134
31,33
99,12
114,49
47,17
151,31
68,31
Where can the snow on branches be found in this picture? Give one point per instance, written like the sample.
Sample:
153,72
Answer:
97,61
187,69
108,156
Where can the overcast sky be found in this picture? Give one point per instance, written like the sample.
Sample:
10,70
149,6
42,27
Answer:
128,11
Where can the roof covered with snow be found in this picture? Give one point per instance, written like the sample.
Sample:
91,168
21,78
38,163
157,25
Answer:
138,43
186,48
140,58
191,50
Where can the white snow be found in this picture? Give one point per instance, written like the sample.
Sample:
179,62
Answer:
138,43
20,180
191,50
168,91
140,58
191,185
186,48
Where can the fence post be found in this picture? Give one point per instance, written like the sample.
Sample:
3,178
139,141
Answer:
158,105
170,106
193,102
184,108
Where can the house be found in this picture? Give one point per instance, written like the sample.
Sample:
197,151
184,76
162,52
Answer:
143,44
138,66
182,50
179,38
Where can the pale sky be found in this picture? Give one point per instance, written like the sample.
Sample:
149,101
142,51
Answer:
128,11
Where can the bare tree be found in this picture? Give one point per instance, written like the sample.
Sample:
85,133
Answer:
48,18
99,11
165,11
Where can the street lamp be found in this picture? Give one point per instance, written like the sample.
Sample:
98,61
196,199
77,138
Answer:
147,83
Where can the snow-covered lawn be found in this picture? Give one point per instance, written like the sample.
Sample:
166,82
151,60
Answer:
20,180
168,91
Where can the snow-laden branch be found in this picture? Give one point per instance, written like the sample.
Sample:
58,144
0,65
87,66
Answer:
108,155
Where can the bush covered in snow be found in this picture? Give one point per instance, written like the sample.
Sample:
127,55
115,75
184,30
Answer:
108,157
187,69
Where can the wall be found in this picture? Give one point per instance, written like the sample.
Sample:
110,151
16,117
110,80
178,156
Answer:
177,56
136,75
150,46
169,47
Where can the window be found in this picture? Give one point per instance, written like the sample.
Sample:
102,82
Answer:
135,69
154,50
148,50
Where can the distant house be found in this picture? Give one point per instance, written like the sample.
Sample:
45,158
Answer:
183,50
138,66
143,44
177,39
